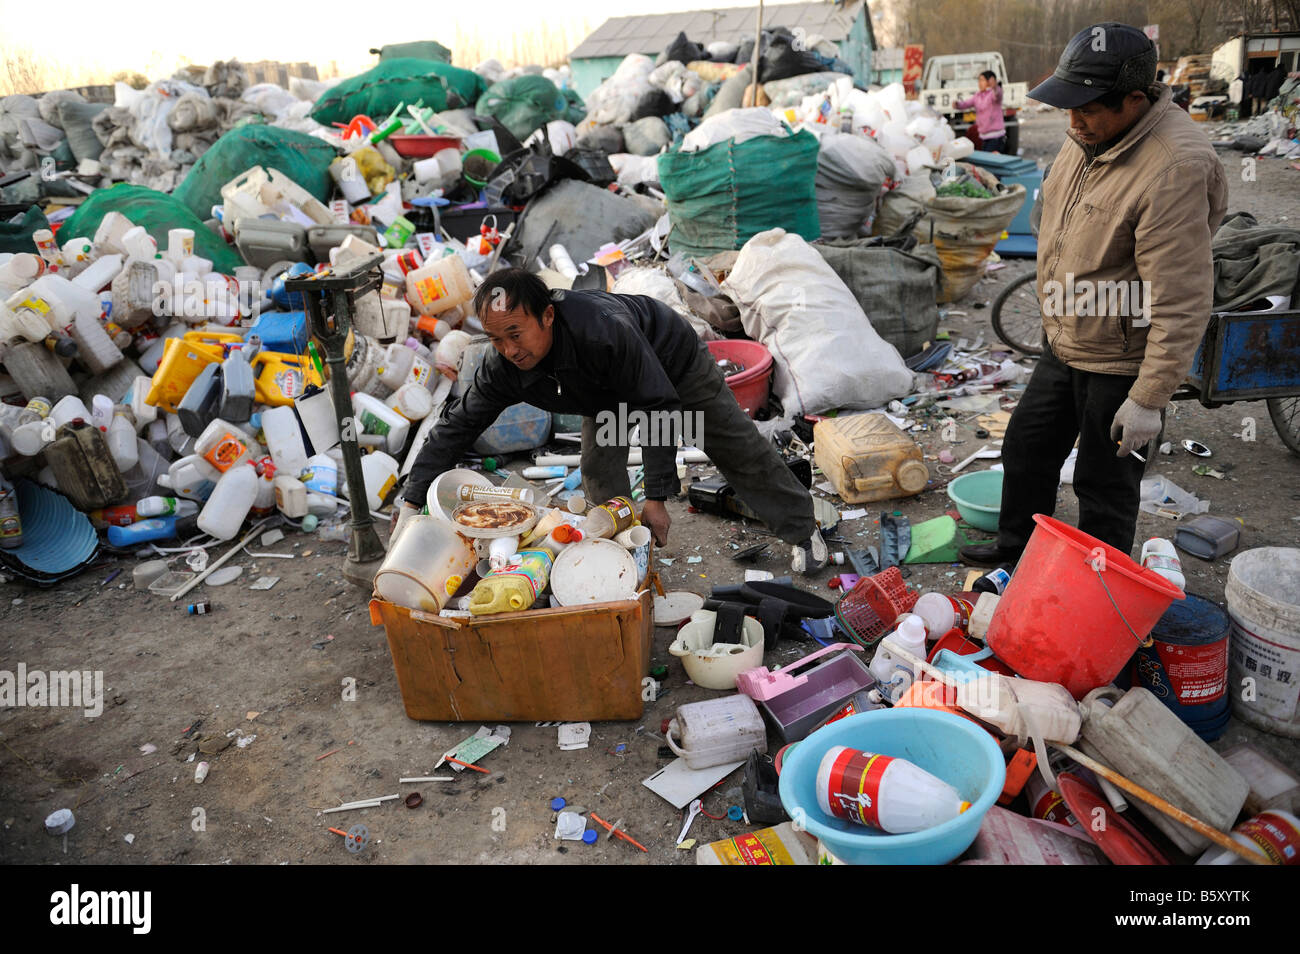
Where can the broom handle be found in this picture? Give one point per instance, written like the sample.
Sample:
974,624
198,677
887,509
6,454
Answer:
1155,801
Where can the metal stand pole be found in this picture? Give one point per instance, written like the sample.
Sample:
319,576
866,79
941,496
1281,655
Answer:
365,551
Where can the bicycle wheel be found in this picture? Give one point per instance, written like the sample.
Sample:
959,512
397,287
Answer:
1017,319
1285,413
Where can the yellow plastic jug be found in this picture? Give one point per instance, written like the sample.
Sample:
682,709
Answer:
181,363
278,378
514,587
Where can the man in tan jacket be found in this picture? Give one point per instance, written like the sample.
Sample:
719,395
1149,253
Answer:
1125,283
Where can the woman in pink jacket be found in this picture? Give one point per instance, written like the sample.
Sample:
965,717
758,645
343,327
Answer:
988,112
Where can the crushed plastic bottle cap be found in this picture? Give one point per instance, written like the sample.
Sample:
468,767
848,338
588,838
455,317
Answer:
735,813
589,837
557,803
60,822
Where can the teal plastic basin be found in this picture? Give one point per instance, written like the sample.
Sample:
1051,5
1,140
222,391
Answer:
978,497
947,746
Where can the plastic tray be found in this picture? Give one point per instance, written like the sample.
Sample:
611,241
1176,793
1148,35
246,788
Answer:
170,583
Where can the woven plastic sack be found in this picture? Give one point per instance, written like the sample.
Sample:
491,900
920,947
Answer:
850,172
827,354
523,104
721,197
378,91
963,232
418,49
304,159
157,212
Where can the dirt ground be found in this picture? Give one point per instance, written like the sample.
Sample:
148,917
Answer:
273,667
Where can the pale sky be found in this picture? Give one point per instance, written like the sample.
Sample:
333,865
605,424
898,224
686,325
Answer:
83,35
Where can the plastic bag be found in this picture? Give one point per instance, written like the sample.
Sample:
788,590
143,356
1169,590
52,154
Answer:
646,137
653,283
614,101
740,125
827,354
850,172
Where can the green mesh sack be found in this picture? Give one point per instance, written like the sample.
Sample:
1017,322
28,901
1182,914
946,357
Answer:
157,212
418,50
576,111
523,104
17,236
721,197
378,91
304,159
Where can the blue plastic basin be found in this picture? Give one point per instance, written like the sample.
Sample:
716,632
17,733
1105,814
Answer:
947,746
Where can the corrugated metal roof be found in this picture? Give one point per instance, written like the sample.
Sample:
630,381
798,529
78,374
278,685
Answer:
619,36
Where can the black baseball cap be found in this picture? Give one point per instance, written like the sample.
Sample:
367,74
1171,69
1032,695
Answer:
1091,64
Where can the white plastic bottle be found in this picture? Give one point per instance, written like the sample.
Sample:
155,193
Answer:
889,794
375,417
942,613
290,496
1160,556
402,366
100,273
413,401
143,412
284,440
121,439
165,507
20,271
95,349
101,411
191,477
138,243
321,475
112,228
231,499
222,445
379,471
68,409
264,502
892,671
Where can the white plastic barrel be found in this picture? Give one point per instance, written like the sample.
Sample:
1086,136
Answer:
1263,596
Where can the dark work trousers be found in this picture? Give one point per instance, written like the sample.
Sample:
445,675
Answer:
1059,405
750,463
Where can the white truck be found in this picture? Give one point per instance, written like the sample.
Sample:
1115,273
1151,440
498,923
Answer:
948,79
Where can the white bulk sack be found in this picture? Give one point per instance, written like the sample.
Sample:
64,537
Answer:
827,354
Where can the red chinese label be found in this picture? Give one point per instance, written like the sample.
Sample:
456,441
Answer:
1198,674
854,786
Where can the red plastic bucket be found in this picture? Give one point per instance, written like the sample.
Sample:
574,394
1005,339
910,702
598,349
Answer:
1056,623
751,386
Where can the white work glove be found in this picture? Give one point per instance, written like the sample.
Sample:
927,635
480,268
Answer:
1134,426
399,517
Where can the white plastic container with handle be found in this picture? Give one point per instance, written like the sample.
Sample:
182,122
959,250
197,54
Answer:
231,499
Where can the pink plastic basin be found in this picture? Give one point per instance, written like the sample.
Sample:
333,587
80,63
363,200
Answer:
751,386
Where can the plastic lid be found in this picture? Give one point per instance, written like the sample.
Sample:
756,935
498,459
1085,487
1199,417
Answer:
1118,839
589,836
557,803
912,476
